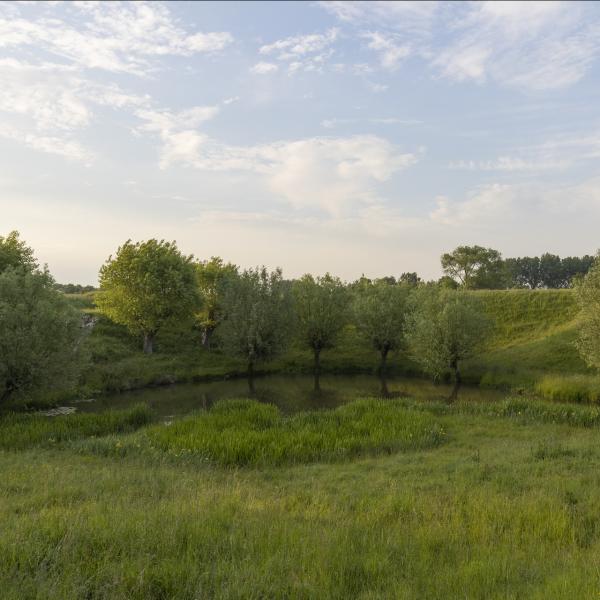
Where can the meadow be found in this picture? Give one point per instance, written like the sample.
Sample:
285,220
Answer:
477,500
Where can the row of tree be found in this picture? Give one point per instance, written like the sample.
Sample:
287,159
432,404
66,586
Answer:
475,267
255,313
251,314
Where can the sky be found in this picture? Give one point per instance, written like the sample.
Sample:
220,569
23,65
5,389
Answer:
342,137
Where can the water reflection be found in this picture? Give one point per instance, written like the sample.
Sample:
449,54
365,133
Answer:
291,393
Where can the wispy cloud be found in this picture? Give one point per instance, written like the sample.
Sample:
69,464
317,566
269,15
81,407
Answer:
302,52
262,68
112,36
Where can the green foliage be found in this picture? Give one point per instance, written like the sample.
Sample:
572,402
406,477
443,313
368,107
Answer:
15,254
321,310
588,297
40,337
243,432
475,267
20,431
212,278
379,313
147,285
258,313
444,328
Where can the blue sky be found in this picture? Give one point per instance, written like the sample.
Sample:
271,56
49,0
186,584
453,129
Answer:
346,137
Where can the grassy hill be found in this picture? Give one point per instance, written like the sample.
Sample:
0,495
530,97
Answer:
531,348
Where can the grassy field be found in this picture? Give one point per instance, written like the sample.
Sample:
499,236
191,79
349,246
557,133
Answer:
506,505
531,349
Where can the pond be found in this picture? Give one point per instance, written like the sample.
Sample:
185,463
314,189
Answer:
291,393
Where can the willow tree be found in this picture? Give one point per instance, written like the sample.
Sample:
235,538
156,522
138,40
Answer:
444,328
40,337
322,311
380,313
212,276
588,296
15,253
258,312
147,285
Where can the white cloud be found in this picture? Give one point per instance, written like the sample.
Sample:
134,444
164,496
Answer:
176,130
331,174
532,45
390,52
262,68
377,88
302,52
535,45
415,16
535,206
113,36
66,147
299,45
509,163
43,106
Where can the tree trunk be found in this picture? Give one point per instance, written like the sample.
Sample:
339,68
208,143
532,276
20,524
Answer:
457,382
383,372
317,371
206,337
251,388
148,343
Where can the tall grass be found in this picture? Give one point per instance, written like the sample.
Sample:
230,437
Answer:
19,431
571,388
245,432
249,433
501,510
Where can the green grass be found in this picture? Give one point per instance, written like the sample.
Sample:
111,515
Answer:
508,507
248,433
19,431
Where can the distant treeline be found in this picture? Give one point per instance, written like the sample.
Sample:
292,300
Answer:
74,288
475,267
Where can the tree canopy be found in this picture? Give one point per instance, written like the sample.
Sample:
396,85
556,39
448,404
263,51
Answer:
474,267
258,314
379,313
147,285
212,276
321,311
14,253
445,327
40,335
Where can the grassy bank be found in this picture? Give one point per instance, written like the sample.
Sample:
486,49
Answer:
532,349
506,507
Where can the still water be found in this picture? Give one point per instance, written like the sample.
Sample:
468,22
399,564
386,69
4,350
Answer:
291,393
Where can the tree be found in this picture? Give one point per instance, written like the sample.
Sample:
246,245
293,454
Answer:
380,311
40,336
411,279
474,267
147,285
551,271
14,253
575,267
212,275
588,296
258,313
444,328
524,272
322,311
